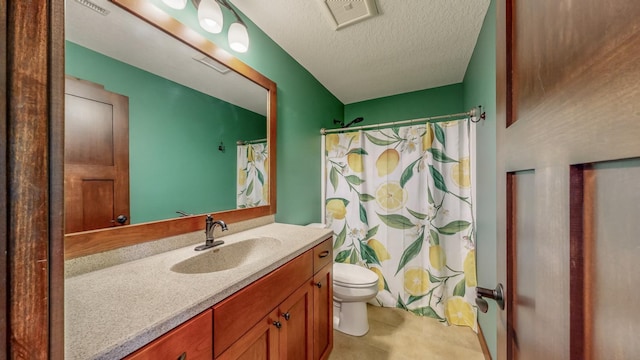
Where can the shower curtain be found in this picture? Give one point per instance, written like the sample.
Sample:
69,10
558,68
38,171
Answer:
253,178
399,202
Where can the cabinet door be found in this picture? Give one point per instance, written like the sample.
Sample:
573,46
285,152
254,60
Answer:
259,343
322,313
191,340
296,316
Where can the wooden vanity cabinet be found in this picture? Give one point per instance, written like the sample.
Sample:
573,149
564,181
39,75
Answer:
270,320
191,340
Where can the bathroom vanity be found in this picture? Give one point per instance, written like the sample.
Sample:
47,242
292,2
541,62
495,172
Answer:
276,306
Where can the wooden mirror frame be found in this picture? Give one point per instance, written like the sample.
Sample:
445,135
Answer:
95,241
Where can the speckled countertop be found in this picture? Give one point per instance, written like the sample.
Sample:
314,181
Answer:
111,312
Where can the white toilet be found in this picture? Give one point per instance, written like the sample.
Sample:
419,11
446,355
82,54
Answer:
353,286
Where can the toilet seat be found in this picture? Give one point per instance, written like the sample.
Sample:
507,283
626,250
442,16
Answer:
349,275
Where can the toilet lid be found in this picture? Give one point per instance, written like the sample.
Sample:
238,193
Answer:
353,275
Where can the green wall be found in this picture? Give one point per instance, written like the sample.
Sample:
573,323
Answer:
174,133
480,89
413,105
304,107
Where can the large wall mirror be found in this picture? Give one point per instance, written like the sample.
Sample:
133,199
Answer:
198,135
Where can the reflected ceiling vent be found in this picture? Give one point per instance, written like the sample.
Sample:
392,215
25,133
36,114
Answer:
342,13
213,64
93,6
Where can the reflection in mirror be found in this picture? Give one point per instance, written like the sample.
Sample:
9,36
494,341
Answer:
188,103
186,113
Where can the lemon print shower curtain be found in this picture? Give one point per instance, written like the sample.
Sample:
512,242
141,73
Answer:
253,188
399,202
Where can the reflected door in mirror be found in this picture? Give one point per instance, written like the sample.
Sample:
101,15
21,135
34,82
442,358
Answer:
96,165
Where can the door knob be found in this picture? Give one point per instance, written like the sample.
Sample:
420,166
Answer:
278,324
121,219
286,316
496,294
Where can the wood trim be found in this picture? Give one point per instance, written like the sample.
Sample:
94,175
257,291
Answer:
483,344
511,268
56,181
4,141
28,228
510,62
95,241
582,182
91,242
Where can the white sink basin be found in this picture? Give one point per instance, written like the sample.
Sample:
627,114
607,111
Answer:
228,256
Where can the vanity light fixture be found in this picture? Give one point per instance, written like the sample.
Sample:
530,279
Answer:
211,20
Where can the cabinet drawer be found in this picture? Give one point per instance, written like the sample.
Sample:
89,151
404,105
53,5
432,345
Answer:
193,338
235,315
322,254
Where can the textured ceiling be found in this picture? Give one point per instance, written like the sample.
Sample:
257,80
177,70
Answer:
412,45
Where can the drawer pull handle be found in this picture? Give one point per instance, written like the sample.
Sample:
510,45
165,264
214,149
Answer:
323,254
319,284
286,316
183,356
278,324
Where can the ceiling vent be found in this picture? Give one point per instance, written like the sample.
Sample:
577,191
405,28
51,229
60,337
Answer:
213,64
342,13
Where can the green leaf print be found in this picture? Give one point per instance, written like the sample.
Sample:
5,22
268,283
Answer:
426,311
363,215
416,214
407,174
410,252
435,238
454,227
368,254
333,177
366,197
260,176
400,304
354,258
430,197
460,289
433,279
441,156
438,179
412,299
250,188
380,142
359,151
342,236
343,256
352,179
439,134
371,233
396,221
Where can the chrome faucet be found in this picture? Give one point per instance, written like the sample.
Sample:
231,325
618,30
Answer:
208,230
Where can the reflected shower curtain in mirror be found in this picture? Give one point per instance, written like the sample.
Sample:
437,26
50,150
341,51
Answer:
253,178
399,203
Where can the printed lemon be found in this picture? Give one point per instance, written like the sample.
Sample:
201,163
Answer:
416,281
437,257
380,250
461,173
427,138
332,141
391,196
250,156
355,162
380,278
336,208
265,192
242,177
387,162
470,269
459,312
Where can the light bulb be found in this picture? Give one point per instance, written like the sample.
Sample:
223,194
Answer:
238,37
210,16
176,4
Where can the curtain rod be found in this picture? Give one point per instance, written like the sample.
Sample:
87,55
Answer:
245,142
440,118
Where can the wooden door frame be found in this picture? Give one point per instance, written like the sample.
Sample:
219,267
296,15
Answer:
32,160
503,113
